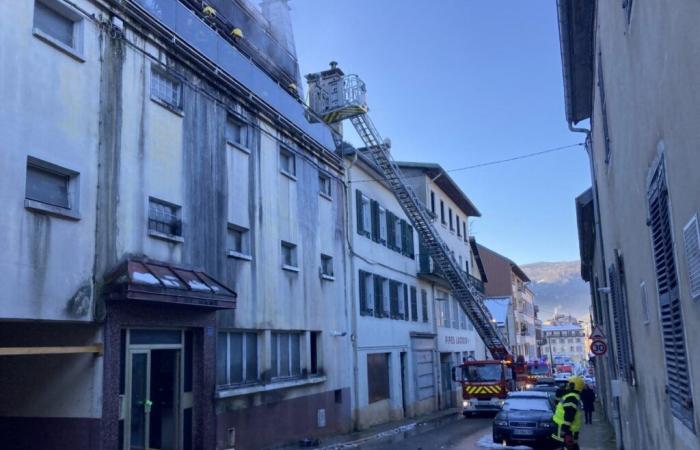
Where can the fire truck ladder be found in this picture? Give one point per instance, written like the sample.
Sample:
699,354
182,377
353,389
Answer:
335,97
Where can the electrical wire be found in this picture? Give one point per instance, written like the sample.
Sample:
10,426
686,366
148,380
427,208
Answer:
490,163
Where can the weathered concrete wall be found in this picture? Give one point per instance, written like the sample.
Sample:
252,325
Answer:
50,106
650,71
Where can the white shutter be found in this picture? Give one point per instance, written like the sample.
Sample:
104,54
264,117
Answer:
691,236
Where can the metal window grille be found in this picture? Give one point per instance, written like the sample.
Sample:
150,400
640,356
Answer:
677,373
164,218
166,88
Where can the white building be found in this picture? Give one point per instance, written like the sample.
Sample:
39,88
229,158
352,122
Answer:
393,315
565,342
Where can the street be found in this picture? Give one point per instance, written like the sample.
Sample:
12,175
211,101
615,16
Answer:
449,433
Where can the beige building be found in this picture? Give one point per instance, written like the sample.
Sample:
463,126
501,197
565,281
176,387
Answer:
631,70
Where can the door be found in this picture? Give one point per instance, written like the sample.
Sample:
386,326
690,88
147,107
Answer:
446,375
404,386
153,382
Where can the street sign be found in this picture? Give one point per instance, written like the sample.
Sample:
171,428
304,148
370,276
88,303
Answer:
599,347
597,334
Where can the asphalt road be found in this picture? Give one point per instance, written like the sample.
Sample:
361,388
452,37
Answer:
450,433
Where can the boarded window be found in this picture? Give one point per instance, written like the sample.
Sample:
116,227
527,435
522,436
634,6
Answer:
691,238
378,376
677,374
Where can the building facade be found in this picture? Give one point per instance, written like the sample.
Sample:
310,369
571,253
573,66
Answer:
203,218
627,70
566,342
507,279
451,209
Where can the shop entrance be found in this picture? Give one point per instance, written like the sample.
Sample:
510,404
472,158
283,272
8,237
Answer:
154,391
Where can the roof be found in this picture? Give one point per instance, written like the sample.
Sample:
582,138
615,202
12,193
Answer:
142,279
498,269
576,31
446,183
565,327
498,307
586,232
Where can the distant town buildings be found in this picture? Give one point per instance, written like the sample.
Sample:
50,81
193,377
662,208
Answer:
565,342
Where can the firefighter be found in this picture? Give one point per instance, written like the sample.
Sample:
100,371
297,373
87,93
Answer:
567,415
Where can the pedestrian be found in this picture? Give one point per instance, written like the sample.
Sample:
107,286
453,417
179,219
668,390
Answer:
588,398
567,415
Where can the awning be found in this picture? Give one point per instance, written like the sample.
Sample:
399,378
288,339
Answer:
153,281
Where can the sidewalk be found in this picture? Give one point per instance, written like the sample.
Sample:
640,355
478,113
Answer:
599,435
355,438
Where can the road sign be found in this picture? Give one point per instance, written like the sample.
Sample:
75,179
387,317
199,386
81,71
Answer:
597,334
599,347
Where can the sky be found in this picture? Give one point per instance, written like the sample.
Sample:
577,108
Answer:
462,82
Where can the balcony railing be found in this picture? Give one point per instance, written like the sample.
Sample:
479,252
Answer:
428,269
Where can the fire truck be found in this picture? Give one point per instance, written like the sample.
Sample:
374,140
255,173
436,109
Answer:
335,97
485,384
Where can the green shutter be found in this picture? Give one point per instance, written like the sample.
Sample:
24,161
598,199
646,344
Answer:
375,220
410,251
405,302
390,234
363,292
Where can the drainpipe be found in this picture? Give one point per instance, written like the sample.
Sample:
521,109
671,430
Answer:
616,416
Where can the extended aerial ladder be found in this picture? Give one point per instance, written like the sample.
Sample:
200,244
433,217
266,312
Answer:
335,97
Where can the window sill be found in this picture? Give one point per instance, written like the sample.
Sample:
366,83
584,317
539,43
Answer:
237,255
56,211
173,109
239,147
288,175
70,51
166,237
290,268
327,277
273,386
326,196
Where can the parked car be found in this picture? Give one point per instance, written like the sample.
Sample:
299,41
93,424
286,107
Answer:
526,418
550,389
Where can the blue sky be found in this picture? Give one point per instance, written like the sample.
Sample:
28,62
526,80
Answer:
461,82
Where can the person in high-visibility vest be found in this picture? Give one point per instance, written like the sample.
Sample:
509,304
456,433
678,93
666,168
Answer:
567,415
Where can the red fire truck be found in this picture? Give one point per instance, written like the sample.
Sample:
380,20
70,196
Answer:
485,384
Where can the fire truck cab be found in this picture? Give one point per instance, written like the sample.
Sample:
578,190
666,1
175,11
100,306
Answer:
485,384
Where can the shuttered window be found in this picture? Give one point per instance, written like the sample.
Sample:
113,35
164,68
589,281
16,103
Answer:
405,304
364,219
366,293
691,238
618,293
677,375
391,230
424,305
414,304
375,220
394,299
380,296
603,108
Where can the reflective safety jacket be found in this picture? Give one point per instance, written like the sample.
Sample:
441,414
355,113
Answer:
567,416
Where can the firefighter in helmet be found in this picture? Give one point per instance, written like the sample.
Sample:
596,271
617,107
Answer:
567,415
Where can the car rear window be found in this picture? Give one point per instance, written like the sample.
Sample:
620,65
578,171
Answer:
527,404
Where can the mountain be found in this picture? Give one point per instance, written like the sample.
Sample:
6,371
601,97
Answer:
558,287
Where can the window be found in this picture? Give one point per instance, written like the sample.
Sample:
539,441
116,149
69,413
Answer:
286,355
432,203
459,231
391,230
289,256
691,238
414,304
163,218
364,218
398,236
382,225
288,163
671,316
59,25
237,358
166,89
464,230
324,185
444,312
455,312
51,188
424,305
366,290
378,376
452,227
326,267
618,297
442,212
238,133
238,242
407,235
604,109
381,296
462,320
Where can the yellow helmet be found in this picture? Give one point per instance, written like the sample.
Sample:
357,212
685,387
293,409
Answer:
576,383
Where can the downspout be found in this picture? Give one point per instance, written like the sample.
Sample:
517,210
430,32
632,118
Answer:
616,415
350,287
